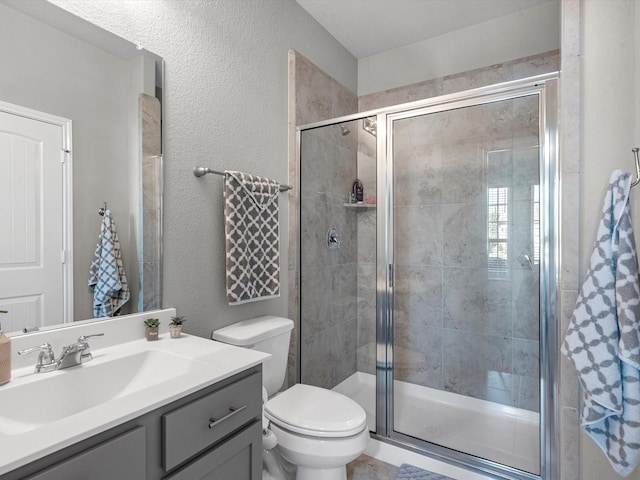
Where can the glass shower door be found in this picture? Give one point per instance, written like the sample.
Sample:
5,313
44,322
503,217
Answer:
465,216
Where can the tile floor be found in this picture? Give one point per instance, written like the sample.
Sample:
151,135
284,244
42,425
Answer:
368,468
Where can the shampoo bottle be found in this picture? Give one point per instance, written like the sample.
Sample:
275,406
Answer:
357,190
5,356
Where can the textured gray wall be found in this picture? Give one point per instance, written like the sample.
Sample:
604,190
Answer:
225,108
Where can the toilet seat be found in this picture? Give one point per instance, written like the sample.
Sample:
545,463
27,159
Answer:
316,412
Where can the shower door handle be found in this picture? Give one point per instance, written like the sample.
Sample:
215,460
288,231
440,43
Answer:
390,277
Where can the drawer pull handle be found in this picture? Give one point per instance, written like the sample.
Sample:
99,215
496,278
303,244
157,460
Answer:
232,412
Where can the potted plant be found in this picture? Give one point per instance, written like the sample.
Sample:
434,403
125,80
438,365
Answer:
152,325
175,326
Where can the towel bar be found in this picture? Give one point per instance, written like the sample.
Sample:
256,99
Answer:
202,171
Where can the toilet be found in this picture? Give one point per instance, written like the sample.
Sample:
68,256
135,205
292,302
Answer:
318,431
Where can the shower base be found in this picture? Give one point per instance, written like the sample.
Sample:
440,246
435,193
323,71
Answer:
489,430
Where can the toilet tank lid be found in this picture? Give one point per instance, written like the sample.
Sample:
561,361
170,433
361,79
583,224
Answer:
254,330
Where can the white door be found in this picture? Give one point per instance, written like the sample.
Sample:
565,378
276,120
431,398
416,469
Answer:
32,228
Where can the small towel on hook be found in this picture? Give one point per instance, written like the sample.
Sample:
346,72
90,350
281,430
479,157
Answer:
106,275
252,237
603,340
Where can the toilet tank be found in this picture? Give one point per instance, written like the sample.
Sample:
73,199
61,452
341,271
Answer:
269,334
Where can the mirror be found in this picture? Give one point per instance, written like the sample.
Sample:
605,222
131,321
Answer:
111,91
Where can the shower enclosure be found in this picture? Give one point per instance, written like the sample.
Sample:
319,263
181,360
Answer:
432,300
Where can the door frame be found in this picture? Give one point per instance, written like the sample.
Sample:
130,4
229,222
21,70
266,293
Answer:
66,159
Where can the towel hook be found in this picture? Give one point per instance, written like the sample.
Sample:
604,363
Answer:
102,210
635,154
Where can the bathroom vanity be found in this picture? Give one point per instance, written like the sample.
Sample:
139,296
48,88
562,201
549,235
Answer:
188,408
174,441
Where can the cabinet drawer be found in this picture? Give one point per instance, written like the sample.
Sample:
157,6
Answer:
238,458
194,427
121,457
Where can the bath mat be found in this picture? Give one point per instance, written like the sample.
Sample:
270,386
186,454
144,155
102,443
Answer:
409,472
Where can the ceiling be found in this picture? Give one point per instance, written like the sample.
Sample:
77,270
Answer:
367,27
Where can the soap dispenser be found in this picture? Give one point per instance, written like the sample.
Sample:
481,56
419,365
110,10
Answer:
5,356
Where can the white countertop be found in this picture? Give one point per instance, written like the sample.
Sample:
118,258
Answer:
215,361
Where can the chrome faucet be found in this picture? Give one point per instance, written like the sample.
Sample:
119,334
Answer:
46,359
71,355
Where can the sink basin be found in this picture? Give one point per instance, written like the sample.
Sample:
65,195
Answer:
46,397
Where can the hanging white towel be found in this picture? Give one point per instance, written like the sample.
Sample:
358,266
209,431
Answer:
252,238
603,336
106,275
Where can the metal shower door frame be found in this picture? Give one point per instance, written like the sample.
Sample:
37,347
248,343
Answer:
546,88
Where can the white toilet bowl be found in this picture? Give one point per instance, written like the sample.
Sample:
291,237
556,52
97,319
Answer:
319,458
318,430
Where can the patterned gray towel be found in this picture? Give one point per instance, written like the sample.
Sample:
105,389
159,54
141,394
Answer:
603,340
252,237
409,472
106,274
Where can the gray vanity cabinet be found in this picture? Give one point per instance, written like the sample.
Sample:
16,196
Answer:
98,462
215,433
238,458
191,428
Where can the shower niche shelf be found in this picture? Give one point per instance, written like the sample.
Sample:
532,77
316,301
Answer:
361,206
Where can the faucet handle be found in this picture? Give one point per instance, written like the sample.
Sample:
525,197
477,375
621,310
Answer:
85,356
84,338
44,349
46,359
